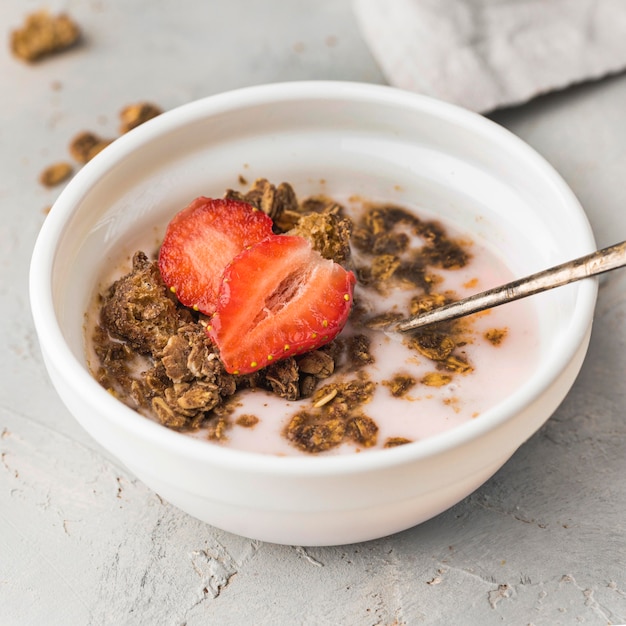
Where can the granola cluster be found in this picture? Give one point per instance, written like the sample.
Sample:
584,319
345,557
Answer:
386,235
336,416
398,250
318,218
44,34
85,145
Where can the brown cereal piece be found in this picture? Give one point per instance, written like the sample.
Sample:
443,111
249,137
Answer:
430,232
363,430
358,351
55,174
308,384
383,267
153,383
400,385
399,215
321,204
272,200
174,358
86,145
139,309
318,363
457,364
166,415
116,361
311,433
374,231
328,233
134,115
446,254
282,378
390,243
496,336
43,34
412,274
436,379
440,251
362,239
350,394
427,302
189,355
393,442
217,429
434,345
190,398
247,420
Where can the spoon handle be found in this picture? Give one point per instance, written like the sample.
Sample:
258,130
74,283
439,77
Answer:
592,264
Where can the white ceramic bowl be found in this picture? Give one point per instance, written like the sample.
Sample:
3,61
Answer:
374,141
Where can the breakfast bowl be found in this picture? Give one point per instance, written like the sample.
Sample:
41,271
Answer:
341,140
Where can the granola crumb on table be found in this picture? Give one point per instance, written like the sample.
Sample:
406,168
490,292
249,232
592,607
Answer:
185,385
44,34
134,115
55,174
84,146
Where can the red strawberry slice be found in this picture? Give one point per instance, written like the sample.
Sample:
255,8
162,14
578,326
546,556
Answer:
278,298
199,243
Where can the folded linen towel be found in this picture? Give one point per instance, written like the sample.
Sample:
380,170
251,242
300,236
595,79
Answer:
486,54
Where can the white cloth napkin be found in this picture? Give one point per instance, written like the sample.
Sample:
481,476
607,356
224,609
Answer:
486,54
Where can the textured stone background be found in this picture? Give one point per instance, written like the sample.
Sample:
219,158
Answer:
83,542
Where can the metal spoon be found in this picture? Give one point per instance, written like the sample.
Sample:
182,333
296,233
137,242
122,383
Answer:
592,264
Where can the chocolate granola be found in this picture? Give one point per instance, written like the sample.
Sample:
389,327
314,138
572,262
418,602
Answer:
44,34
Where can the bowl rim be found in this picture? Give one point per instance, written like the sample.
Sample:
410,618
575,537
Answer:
62,359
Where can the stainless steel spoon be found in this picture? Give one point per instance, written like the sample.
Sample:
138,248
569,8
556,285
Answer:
592,264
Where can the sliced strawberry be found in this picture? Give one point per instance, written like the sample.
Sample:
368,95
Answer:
278,298
199,243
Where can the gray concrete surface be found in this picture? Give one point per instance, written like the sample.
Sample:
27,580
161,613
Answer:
83,542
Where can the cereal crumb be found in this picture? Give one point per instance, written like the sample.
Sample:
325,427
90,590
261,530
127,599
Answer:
217,430
393,442
43,34
400,384
335,416
436,379
363,430
55,174
247,420
134,115
86,145
496,336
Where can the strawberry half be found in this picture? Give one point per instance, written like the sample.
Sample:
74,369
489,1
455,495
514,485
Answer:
200,242
278,298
